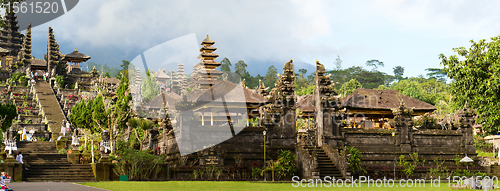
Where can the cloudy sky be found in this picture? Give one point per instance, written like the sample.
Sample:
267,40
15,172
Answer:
407,33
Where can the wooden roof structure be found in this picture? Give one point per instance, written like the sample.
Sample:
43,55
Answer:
157,102
212,103
76,57
381,102
304,103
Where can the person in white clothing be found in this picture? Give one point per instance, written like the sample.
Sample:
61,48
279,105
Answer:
23,135
67,126
63,129
19,159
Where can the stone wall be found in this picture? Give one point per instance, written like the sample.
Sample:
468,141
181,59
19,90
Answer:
378,147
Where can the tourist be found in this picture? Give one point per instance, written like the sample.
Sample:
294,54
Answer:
36,76
44,77
19,159
68,126
63,128
24,135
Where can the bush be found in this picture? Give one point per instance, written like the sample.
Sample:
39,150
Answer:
355,160
60,81
142,164
18,78
287,166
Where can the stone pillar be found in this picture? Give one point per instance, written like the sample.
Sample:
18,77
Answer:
466,121
105,147
288,100
325,102
403,124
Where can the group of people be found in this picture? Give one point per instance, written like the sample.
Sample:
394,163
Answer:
5,178
34,78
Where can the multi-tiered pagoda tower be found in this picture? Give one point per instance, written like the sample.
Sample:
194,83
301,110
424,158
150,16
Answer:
181,77
54,55
25,54
206,75
10,37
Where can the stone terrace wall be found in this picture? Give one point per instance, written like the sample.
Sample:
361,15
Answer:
378,147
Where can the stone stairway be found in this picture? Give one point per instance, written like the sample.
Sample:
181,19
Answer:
325,164
46,165
51,107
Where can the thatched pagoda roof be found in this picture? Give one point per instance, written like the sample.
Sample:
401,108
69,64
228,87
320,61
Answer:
368,99
76,56
304,103
38,62
157,102
230,91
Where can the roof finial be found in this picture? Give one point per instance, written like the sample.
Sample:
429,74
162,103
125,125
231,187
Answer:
75,49
207,37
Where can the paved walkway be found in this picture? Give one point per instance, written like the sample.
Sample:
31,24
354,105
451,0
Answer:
50,186
50,106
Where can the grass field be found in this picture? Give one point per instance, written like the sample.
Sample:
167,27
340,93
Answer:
234,185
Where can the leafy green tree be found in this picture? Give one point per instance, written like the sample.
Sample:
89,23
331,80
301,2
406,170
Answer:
350,86
140,127
437,73
225,65
107,75
301,81
374,64
7,112
368,79
123,97
271,76
398,72
475,80
240,68
150,89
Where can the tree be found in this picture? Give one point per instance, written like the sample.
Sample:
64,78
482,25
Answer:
150,89
271,76
107,75
338,63
398,72
240,68
123,96
300,80
8,113
140,127
437,73
374,63
107,117
475,80
225,65
351,86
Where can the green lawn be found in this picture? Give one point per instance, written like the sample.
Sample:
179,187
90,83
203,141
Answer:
233,185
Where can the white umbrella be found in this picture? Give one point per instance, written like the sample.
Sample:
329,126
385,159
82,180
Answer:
466,159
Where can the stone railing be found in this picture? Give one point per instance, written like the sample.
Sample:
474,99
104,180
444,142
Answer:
307,164
339,161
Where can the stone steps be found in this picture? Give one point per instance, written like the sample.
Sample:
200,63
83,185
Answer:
48,166
325,164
